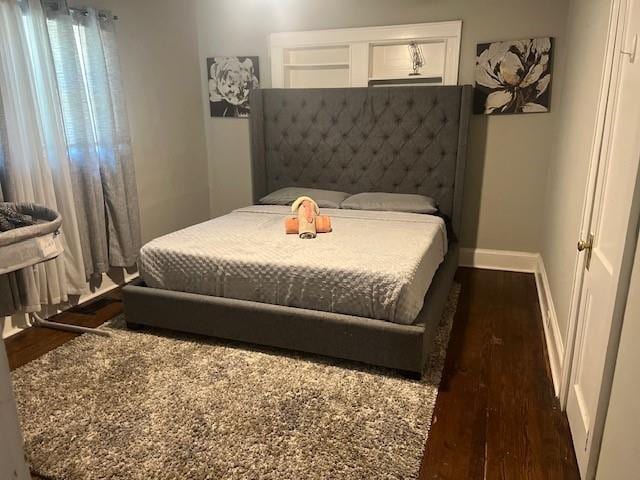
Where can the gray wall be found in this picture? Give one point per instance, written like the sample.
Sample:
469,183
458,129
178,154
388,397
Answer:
568,168
620,453
158,46
508,156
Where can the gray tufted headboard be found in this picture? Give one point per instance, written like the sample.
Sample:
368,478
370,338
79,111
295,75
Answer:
384,139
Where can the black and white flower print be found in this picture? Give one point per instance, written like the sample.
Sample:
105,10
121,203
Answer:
514,76
230,81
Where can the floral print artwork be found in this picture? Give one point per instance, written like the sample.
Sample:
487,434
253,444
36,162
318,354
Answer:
230,81
513,77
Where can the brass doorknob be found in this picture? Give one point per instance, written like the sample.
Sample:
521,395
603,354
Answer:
586,244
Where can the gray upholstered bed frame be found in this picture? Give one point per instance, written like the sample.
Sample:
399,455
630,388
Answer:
391,139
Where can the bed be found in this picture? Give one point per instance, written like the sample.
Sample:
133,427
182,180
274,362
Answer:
229,278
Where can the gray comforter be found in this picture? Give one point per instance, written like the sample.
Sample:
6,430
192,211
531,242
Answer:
374,264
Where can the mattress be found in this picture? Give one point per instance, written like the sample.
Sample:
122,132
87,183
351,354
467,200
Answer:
374,264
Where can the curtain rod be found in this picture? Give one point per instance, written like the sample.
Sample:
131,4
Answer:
84,12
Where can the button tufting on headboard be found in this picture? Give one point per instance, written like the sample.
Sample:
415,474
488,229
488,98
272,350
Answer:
398,139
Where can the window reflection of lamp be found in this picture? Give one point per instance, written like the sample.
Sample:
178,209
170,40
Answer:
417,59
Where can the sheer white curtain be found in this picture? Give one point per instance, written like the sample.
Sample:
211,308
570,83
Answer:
35,163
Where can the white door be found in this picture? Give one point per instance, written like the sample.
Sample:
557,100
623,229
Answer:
612,222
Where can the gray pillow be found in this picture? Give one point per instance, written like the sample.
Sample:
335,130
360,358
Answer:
286,196
392,202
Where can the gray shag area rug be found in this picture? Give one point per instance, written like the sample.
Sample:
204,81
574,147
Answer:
164,406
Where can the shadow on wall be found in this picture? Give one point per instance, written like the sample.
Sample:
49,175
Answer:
476,157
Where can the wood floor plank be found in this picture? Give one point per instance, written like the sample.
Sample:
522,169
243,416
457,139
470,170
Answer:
511,437
459,417
496,416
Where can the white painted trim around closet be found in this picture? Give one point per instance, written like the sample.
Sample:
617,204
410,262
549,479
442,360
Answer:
552,334
425,31
499,260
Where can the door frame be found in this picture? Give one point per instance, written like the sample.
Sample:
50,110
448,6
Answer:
603,136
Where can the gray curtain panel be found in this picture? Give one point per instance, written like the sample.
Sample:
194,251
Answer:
97,133
116,166
85,163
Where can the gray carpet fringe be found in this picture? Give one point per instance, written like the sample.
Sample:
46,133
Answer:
171,406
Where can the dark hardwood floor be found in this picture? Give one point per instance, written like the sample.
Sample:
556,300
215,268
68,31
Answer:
32,343
496,415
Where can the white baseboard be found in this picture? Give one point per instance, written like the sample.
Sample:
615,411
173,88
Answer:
499,260
12,325
553,337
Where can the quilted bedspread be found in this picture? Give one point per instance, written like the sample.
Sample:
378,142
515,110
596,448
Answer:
374,264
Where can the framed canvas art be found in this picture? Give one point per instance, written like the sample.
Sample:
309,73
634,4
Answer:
230,81
513,76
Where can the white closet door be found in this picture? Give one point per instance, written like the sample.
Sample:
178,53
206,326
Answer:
613,220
